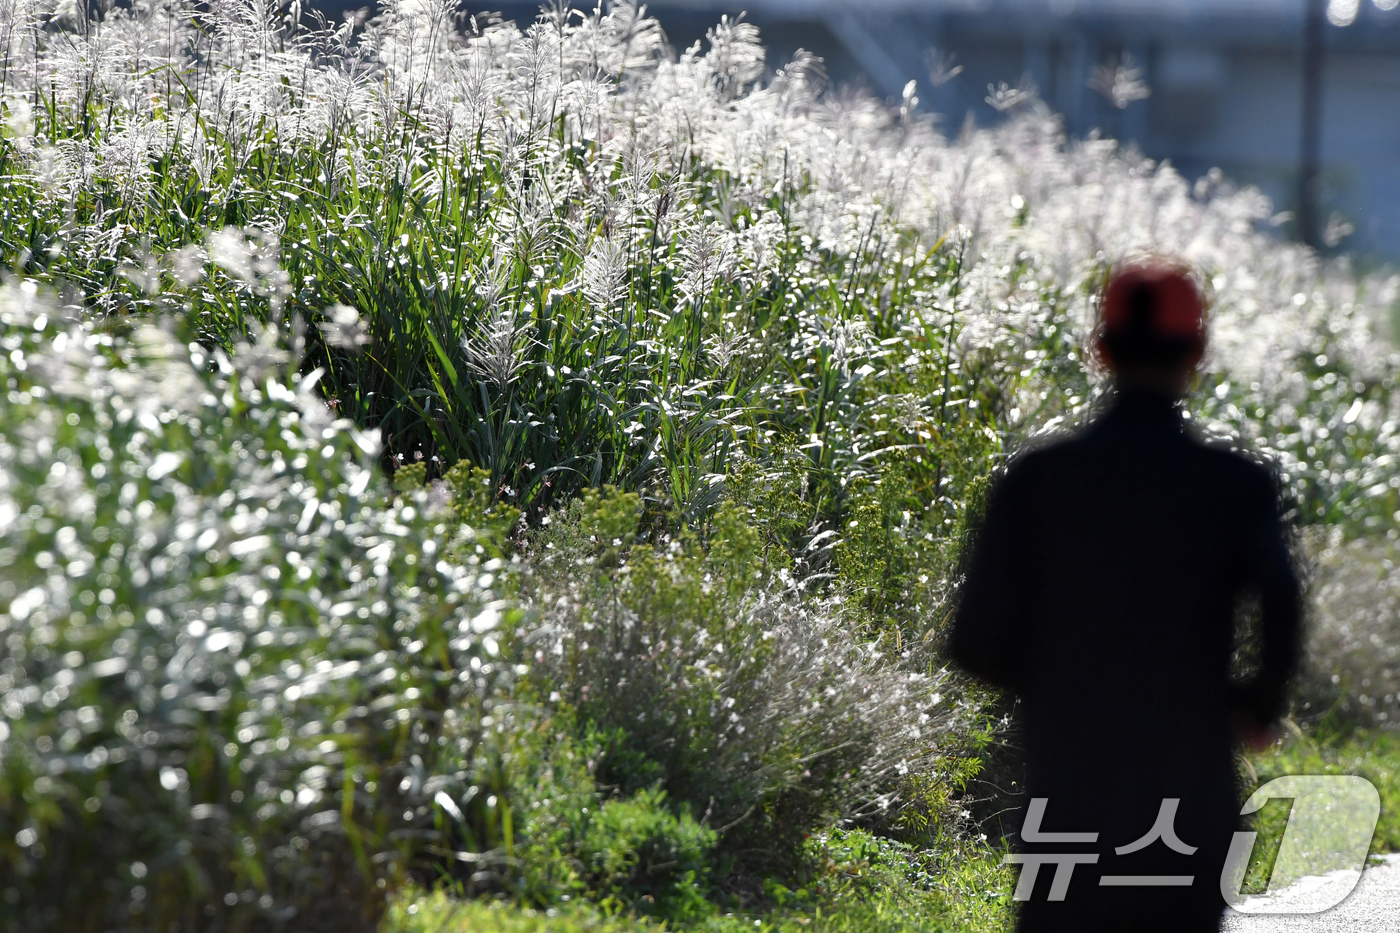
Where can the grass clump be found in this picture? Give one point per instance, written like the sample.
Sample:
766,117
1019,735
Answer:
575,839
413,912
855,882
235,678
709,671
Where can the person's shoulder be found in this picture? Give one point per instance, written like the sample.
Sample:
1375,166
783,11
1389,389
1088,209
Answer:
1043,455
1050,447
1242,467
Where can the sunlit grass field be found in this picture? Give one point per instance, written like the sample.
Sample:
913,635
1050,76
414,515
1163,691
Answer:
516,475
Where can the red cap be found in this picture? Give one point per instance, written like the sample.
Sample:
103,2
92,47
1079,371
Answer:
1165,293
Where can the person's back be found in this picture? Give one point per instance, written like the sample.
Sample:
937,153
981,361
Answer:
1102,590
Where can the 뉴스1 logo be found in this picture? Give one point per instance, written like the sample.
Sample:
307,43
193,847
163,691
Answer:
1328,834
1327,837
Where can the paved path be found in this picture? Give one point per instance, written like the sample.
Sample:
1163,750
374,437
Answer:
1374,907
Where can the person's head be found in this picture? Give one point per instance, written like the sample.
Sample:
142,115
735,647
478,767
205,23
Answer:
1151,332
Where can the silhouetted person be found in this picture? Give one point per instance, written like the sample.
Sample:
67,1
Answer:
1102,589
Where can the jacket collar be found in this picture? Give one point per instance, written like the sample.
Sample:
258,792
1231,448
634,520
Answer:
1145,408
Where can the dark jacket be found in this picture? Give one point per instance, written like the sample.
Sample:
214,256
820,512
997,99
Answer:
1102,589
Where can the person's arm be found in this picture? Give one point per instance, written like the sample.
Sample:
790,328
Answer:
988,638
1269,569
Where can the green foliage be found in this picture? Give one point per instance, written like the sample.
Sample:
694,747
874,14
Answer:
684,449
647,857
415,912
873,883
933,814
550,787
704,668
596,529
857,883
465,494
572,839
410,478
559,837
234,681
1330,437
474,502
773,504
609,519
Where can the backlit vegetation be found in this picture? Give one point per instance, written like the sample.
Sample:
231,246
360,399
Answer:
688,380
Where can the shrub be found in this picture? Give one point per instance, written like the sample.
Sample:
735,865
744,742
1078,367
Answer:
882,884
1351,669
571,839
234,680
756,706
644,855
897,556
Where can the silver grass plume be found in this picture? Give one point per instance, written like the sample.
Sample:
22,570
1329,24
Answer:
604,269
495,352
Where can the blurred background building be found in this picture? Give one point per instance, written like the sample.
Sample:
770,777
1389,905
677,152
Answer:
1202,83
